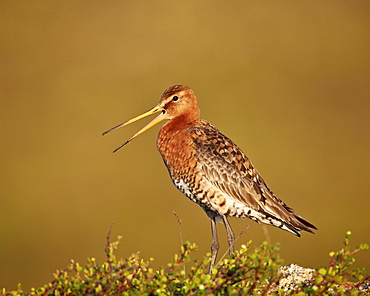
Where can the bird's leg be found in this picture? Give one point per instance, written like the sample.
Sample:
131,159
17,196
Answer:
215,244
230,235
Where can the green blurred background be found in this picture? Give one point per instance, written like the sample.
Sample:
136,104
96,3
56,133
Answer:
288,81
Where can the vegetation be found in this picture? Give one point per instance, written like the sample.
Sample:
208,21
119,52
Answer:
247,272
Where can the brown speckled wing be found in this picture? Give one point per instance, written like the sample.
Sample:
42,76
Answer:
227,168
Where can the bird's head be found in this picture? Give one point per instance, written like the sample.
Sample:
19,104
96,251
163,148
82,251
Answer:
178,101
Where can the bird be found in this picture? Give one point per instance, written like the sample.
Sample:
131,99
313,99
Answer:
211,170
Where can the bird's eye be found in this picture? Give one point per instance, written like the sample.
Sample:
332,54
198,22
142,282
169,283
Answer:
175,98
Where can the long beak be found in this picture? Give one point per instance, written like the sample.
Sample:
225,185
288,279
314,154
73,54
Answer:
159,118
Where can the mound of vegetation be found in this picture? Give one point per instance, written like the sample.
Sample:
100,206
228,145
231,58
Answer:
248,271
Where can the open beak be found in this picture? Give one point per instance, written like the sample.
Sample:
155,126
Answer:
159,118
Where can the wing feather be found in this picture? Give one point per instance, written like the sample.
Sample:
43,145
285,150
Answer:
227,168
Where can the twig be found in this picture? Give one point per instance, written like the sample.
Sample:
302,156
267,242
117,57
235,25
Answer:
108,239
179,221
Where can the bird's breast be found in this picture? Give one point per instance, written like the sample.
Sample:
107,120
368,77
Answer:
178,152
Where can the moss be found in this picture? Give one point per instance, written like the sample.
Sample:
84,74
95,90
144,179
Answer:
247,272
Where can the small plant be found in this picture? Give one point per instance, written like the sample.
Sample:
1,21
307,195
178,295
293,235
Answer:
246,272
335,278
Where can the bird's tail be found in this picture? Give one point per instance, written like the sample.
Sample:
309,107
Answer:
302,224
